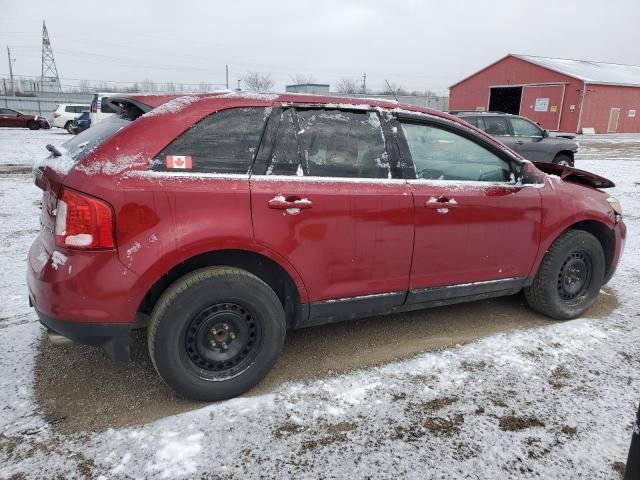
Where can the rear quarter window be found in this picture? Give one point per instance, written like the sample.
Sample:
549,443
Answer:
224,142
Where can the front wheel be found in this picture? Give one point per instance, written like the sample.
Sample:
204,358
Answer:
216,333
569,278
33,125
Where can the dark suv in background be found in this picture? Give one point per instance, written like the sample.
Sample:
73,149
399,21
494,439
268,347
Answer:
525,137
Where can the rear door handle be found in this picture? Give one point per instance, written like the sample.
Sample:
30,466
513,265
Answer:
280,202
441,203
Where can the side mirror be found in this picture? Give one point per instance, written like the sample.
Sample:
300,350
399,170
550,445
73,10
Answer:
528,174
545,134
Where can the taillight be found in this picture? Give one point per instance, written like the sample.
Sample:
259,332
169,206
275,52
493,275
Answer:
83,222
56,115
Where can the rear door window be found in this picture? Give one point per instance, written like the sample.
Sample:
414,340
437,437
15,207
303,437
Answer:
496,126
330,143
224,142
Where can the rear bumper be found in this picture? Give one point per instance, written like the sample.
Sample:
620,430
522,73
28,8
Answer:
114,338
81,287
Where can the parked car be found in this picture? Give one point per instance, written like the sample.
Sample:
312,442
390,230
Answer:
15,119
224,220
66,113
81,123
100,108
525,137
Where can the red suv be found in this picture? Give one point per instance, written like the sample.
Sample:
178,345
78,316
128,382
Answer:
221,221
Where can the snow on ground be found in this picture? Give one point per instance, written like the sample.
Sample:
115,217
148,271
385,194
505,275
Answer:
550,402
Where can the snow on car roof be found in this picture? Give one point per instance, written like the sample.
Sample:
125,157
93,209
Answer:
588,71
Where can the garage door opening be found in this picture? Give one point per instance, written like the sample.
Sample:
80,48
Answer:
505,99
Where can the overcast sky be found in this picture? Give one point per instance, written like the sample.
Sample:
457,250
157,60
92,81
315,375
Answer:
413,43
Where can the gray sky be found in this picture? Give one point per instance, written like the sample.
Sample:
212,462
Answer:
416,44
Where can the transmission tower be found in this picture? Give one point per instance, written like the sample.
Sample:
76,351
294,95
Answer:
49,80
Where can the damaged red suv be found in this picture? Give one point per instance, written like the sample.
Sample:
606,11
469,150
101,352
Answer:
220,221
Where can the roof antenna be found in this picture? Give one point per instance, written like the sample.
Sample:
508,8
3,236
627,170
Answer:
392,92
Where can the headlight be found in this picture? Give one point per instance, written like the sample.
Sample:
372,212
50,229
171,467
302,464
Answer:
615,205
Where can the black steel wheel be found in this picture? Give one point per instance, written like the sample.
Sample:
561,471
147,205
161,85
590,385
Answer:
222,340
216,333
570,276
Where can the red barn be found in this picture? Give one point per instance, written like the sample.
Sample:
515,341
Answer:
559,94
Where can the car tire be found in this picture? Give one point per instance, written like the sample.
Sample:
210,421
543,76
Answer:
562,159
216,333
67,127
33,125
569,278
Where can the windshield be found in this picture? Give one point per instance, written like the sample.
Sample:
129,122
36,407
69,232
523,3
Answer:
79,146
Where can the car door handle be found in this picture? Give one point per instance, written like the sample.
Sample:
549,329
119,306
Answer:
519,142
280,202
443,203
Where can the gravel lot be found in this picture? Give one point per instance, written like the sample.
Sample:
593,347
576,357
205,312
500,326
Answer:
483,390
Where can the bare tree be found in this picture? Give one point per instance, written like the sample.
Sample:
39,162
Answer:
148,85
302,79
347,85
258,82
204,87
394,88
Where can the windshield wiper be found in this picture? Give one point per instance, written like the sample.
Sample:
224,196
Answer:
54,150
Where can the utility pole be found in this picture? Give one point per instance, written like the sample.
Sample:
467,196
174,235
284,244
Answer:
11,83
239,84
364,83
227,70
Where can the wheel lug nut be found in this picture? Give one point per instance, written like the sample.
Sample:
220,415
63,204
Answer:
232,335
224,346
226,327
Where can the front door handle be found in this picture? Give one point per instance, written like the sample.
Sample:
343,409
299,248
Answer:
519,142
280,202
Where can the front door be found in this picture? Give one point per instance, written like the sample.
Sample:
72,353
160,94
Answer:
325,202
530,141
9,118
473,224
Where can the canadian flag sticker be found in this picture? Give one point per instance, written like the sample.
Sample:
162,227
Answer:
179,161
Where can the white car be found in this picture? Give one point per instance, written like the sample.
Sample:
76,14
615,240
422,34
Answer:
66,113
100,109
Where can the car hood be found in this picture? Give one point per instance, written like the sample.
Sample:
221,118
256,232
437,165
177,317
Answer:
575,175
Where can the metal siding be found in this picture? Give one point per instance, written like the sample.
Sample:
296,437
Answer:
474,91
602,98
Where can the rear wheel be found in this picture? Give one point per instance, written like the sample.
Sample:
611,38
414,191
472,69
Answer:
33,125
216,333
563,159
67,127
569,278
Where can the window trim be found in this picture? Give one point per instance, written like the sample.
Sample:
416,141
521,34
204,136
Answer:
513,163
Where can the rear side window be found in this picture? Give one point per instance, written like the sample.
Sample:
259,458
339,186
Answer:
440,154
330,143
224,142
472,120
496,126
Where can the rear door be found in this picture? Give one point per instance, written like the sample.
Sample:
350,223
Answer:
498,127
322,197
475,228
